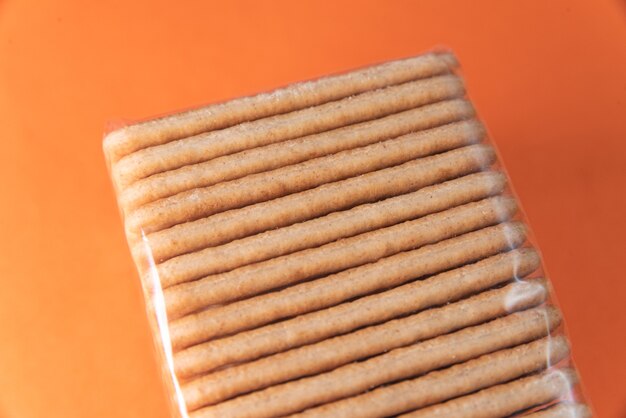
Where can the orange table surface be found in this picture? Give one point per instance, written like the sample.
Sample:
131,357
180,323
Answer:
547,77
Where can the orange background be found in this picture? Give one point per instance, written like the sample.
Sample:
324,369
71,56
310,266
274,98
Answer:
547,77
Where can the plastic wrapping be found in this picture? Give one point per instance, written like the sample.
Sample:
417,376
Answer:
349,246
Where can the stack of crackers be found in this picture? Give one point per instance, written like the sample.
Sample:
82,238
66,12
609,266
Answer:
343,247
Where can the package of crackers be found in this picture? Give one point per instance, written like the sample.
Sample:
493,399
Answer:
343,247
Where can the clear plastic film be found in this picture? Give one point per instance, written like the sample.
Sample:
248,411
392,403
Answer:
349,246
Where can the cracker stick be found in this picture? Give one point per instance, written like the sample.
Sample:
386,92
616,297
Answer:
332,353
371,187
296,96
563,410
398,364
440,386
273,156
199,203
338,288
329,228
206,146
505,399
316,326
336,256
